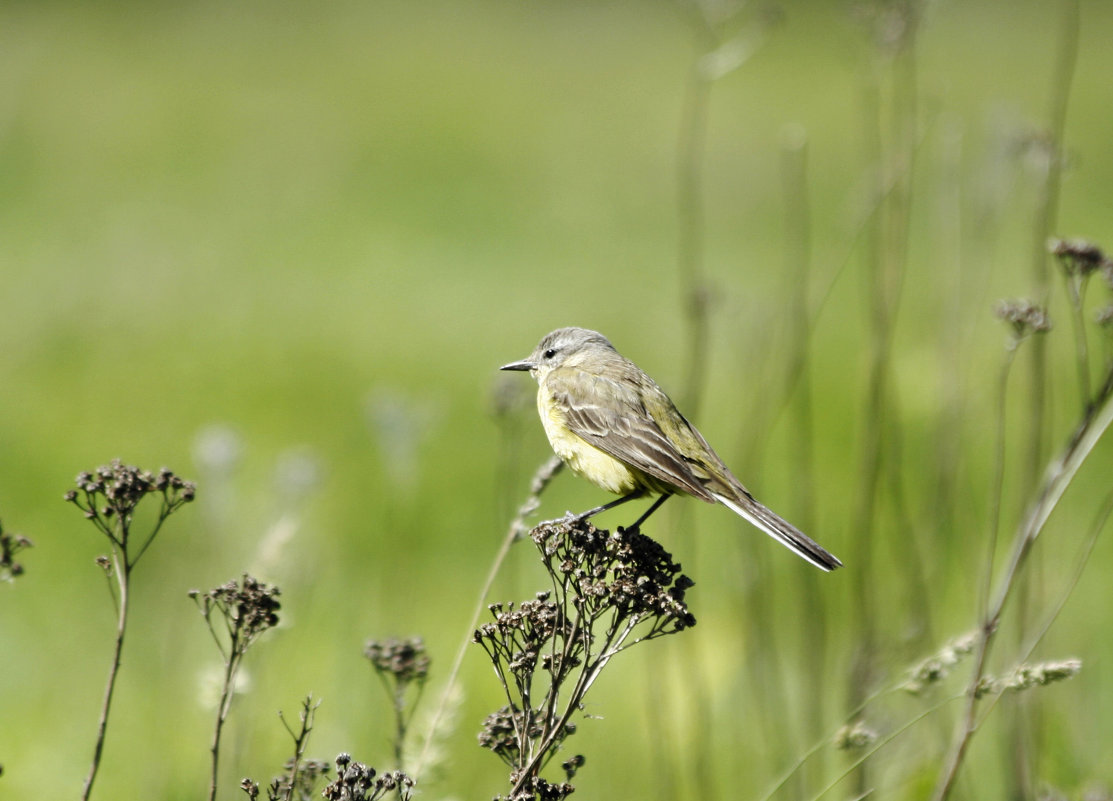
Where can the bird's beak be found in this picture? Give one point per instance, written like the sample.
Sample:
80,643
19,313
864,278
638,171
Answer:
523,365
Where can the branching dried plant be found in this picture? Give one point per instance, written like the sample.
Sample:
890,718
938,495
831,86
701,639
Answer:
400,664
608,592
236,614
109,497
299,779
354,781
1078,260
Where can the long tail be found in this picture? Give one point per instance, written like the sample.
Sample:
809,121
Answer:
780,530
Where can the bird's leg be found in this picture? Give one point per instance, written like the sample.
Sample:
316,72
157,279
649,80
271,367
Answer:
611,505
656,504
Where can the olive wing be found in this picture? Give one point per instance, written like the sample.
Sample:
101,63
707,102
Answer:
612,416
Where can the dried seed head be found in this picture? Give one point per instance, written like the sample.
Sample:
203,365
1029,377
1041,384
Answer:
1024,316
1077,256
854,736
572,765
938,666
109,495
251,788
404,660
1040,674
248,608
358,782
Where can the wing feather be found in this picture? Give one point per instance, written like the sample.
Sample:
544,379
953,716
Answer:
611,416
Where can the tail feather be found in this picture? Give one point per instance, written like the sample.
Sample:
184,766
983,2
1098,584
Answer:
781,530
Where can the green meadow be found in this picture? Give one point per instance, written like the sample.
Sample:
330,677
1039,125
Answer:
283,247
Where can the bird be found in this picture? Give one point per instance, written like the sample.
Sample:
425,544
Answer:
614,426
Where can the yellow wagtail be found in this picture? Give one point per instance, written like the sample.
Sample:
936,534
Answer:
613,425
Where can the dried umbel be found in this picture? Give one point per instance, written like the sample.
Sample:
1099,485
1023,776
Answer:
608,592
404,661
537,789
1024,317
236,614
400,664
299,781
358,782
626,575
109,496
115,489
246,609
1079,256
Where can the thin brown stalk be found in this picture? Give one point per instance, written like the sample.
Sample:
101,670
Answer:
1076,295
301,742
763,657
694,294
1045,223
122,573
231,665
544,474
108,498
891,147
1083,559
690,210
1057,478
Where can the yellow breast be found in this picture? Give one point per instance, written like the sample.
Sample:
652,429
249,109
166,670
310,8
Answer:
582,458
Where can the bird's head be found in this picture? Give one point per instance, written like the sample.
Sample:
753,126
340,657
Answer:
563,347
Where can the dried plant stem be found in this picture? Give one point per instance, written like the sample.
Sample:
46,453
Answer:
814,631
1047,202
400,664
231,666
541,478
1087,549
997,489
836,268
607,593
1076,293
886,256
1044,224
122,572
881,743
1057,478
398,698
301,741
717,54
586,678
819,745
690,154
108,498
242,611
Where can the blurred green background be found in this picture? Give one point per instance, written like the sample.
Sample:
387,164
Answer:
281,248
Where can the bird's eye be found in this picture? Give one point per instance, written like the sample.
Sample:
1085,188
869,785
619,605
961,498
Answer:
550,353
